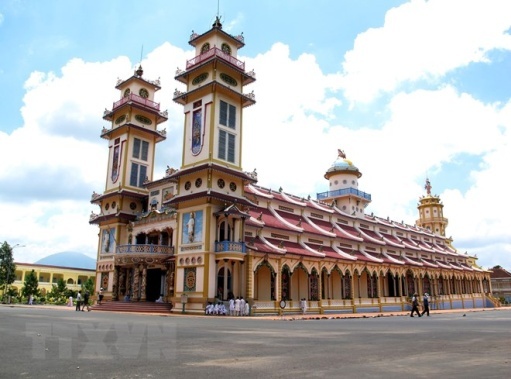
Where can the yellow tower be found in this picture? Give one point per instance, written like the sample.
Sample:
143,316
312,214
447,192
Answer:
210,197
431,215
132,137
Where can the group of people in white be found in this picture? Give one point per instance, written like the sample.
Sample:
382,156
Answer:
237,307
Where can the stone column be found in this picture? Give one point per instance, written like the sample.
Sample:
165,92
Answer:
250,277
115,284
143,286
136,284
225,284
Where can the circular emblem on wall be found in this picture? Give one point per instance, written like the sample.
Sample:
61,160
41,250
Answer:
200,78
198,182
127,92
233,186
143,119
221,183
188,185
282,304
133,205
107,206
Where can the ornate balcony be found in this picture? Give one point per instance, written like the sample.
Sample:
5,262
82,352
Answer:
229,246
342,192
137,99
215,52
145,249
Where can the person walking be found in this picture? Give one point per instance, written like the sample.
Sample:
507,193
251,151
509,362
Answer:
78,301
31,300
100,295
415,305
425,302
86,301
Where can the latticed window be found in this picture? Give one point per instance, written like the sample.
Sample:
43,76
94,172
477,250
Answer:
227,115
226,146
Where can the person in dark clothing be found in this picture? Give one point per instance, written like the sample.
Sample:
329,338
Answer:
86,302
425,301
415,305
78,301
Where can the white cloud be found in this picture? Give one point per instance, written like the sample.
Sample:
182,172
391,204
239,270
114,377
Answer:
424,40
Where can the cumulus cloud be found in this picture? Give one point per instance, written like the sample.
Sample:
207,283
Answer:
424,40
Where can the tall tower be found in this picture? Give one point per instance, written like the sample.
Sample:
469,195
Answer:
132,137
431,215
210,197
343,178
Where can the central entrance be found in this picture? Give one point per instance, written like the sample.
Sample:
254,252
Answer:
155,284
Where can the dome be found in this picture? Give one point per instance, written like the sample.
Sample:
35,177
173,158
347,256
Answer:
342,165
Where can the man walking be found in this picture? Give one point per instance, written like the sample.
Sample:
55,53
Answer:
425,301
78,301
415,305
86,302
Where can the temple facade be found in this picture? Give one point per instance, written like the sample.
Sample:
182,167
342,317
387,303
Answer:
207,232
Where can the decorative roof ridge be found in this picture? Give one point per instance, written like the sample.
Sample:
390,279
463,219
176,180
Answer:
282,220
321,230
360,230
412,261
348,235
427,263
394,260
390,242
342,213
343,253
316,204
257,221
259,193
289,199
311,249
272,246
370,256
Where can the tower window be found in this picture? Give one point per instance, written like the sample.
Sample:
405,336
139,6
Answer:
226,48
138,175
204,48
226,144
140,149
227,115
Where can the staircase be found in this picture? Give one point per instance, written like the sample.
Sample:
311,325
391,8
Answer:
133,307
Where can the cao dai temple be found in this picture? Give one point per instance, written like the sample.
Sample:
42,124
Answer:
208,231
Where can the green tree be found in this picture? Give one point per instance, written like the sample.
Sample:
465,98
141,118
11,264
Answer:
7,266
31,285
59,292
88,285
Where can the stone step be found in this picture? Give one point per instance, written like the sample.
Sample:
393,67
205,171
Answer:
135,307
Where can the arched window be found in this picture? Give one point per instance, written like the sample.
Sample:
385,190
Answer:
204,48
226,48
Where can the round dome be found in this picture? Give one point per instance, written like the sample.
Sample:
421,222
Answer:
342,165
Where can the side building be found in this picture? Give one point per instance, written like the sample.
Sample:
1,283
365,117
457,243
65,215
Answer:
48,276
208,231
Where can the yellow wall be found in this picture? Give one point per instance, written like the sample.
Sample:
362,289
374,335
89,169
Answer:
49,275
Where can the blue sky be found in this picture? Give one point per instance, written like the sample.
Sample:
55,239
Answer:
409,89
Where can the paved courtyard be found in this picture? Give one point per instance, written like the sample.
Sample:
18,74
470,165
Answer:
38,342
